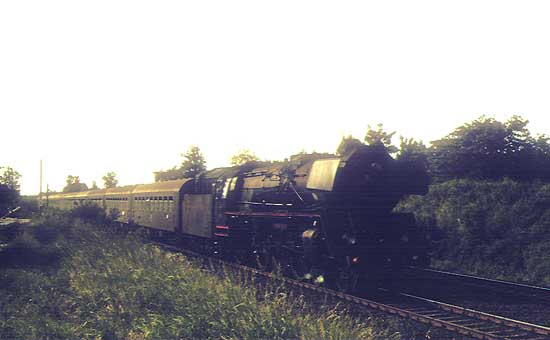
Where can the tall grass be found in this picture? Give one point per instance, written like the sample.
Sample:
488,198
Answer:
100,285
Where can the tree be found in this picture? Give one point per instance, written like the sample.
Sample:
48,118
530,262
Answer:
9,177
348,144
94,186
412,150
169,175
9,189
489,149
380,137
193,162
109,180
244,156
74,185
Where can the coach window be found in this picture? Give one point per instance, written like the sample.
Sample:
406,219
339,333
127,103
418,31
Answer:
170,203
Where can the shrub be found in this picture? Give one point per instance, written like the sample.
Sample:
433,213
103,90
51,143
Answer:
493,228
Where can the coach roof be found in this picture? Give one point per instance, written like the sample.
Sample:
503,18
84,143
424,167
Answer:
166,186
125,190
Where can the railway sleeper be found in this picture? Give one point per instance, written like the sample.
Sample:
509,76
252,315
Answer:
506,332
470,323
418,310
522,336
489,329
439,317
454,319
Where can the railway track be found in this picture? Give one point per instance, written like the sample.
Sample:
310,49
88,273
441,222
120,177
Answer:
462,321
506,288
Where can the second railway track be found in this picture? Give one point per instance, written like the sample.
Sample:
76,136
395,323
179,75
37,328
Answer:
526,291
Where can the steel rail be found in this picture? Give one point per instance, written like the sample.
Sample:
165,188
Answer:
460,320
541,293
500,320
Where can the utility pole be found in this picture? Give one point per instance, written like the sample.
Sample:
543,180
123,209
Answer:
40,194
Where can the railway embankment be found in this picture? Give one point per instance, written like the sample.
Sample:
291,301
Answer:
498,229
62,278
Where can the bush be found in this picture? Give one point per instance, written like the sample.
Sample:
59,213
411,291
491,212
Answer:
491,228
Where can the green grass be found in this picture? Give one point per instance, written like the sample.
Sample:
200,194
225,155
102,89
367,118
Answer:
75,281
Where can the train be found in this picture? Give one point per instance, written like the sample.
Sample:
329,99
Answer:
317,217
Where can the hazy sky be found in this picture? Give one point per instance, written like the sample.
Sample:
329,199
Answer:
126,86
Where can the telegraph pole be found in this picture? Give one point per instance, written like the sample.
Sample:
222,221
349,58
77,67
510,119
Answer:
40,194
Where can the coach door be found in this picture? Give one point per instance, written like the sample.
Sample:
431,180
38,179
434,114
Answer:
197,214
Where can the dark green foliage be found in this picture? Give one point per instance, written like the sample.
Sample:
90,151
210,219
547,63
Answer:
379,136
492,228
34,246
91,213
489,149
412,150
9,189
169,175
109,180
9,177
74,185
244,156
94,186
8,199
347,145
193,162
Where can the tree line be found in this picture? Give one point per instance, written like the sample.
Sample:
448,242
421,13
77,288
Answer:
194,163
73,183
482,149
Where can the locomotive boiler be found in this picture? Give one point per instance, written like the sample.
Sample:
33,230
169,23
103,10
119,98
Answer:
325,218
322,218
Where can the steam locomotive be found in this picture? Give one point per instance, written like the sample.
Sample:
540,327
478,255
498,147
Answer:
322,218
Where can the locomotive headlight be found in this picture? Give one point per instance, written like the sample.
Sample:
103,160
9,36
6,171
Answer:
404,238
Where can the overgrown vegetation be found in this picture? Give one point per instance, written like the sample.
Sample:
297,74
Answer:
498,229
9,189
64,279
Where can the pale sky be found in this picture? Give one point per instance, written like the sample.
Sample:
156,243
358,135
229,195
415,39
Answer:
126,86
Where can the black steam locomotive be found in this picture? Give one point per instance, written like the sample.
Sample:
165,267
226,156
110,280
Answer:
321,218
